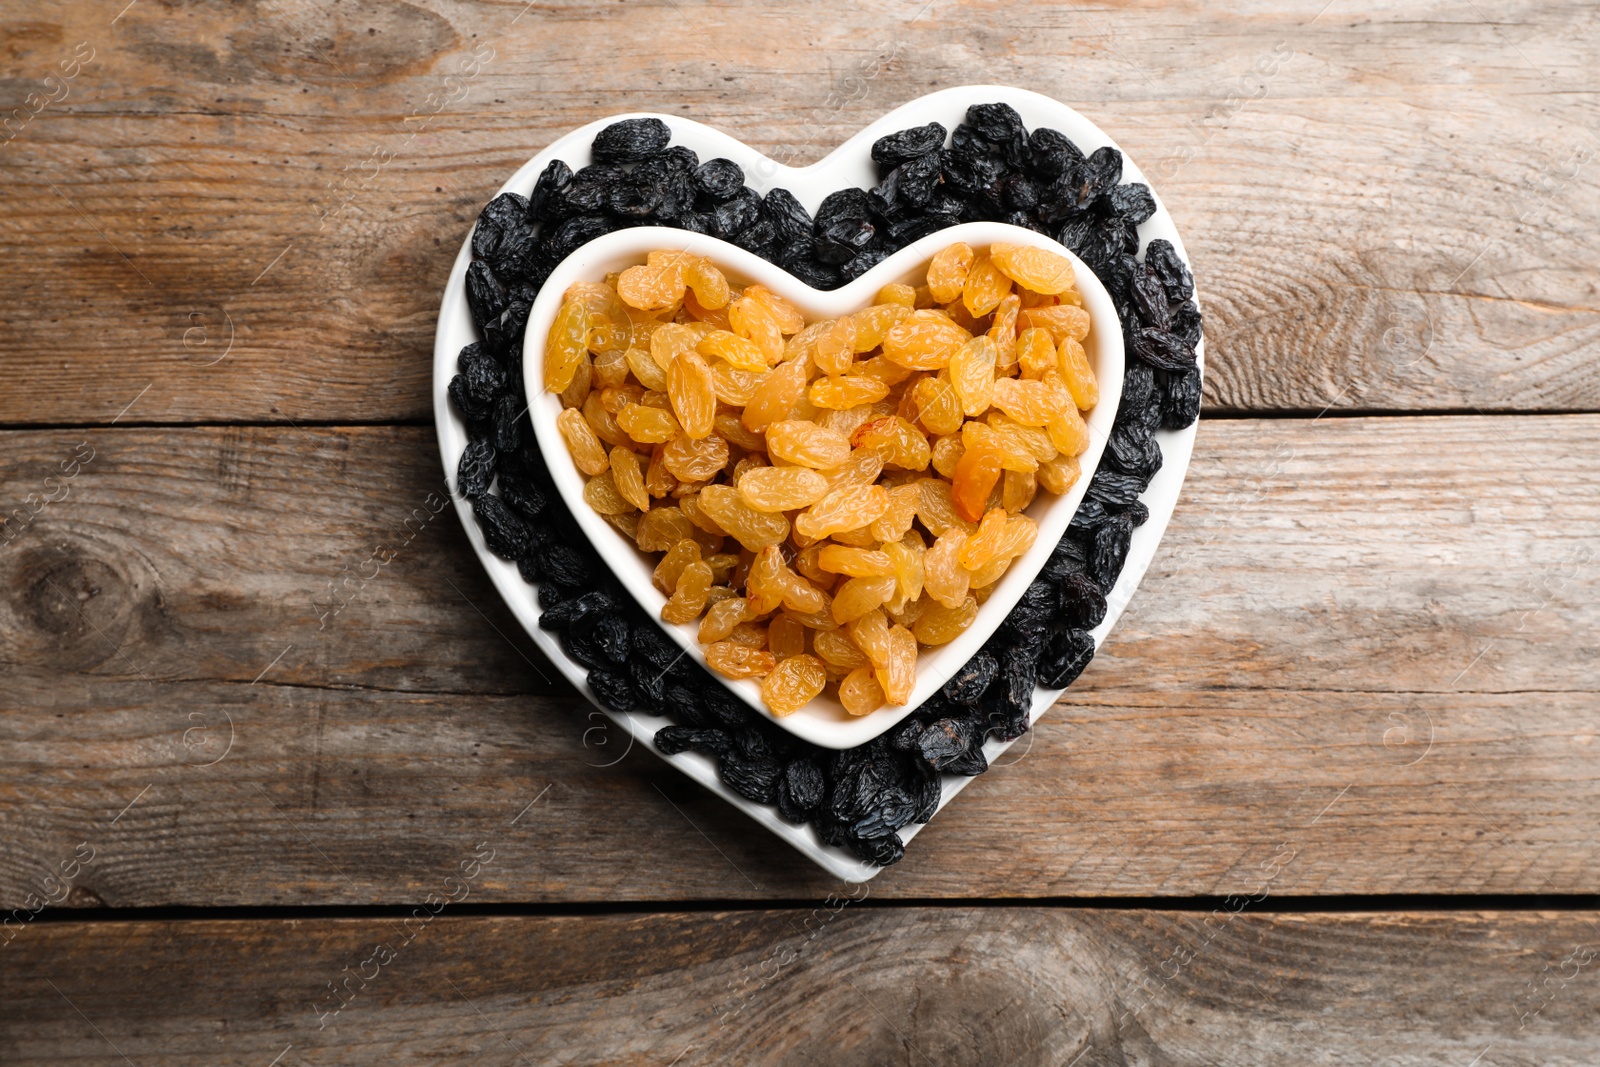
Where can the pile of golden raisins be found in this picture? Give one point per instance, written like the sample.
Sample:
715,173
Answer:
825,497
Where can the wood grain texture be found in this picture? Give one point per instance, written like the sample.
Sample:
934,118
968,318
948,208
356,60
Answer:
1358,663
839,983
256,205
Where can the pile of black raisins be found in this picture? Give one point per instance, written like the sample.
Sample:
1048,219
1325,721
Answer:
991,169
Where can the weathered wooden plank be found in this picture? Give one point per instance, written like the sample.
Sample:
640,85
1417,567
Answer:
838,983
1368,644
256,208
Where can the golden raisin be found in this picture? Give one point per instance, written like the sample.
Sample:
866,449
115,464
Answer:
691,460
947,272
860,692
985,287
661,528
732,660
688,600
1033,268
848,507
693,394
786,636
1077,374
834,392
807,444
566,345
792,684
940,625
629,478
781,488
587,452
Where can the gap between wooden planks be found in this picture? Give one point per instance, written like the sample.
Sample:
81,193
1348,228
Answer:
1353,664
256,210
831,984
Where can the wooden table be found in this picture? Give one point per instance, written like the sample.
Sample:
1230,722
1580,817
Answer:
1328,794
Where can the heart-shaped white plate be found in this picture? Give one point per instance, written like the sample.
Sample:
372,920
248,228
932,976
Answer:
824,721
848,165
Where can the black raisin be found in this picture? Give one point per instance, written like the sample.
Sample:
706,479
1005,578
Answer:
738,213
671,740
967,685
1186,323
612,689
1068,653
565,565
631,140
720,179
1150,299
1001,126
475,470
1108,551
1162,350
505,534
754,779
636,195
574,233
880,851
1180,399
510,420
1051,153
800,790
1133,201
1132,449
1163,258
486,297
896,148
555,177
524,495
944,741
1083,606
787,214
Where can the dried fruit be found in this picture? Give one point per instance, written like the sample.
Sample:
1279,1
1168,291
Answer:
693,394
860,595
671,566
793,683
807,444
1036,269
716,428
691,460
629,478
1077,374
646,424
848,507
976,474
688,599
733,660
781,488
860,692
566,346
943,577
587,452
923,341
840,393
939,625
752,529
947,272
985,287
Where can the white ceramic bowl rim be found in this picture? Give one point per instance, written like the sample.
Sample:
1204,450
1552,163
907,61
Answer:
823,721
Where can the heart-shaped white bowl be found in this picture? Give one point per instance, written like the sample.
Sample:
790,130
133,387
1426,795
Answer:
850,164
823,721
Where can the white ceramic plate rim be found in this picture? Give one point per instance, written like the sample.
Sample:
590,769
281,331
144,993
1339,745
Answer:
824,721
809,184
